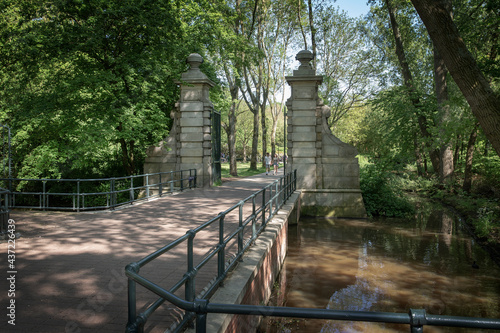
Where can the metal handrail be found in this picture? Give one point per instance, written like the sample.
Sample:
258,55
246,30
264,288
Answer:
200,306
118,190
273,197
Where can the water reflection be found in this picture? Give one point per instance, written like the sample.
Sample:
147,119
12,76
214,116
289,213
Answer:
388,265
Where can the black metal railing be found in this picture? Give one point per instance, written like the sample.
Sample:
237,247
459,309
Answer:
4,212
198,307
249,217
94,194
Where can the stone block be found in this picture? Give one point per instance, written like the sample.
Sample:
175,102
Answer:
304,113
305,160
303,152
303,121
303,129
190,145
351,170
303,92
192,95
191,122
304,136
195,129
191,114
185,137
189,162
304,144
191,106
341,182
306,174
193,152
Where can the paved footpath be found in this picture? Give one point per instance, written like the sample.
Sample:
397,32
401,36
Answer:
70,266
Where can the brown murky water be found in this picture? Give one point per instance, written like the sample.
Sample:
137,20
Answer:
388,265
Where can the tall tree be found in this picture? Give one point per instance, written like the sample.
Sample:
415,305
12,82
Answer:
408,81
484,102
346,58
97,78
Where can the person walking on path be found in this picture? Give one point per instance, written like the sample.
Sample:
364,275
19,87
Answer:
276,162
267,160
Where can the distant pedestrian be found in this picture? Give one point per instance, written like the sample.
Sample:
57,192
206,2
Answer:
276,163
267,160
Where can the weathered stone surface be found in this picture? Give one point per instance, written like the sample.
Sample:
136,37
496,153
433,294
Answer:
190,137
327,169
191,122
185,137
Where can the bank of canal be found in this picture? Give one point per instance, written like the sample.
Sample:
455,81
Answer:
388,265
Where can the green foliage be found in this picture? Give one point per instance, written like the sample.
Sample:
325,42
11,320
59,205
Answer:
243,170
485,221
88,86
489,169
380,195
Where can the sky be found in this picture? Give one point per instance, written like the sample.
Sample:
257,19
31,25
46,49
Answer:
355,8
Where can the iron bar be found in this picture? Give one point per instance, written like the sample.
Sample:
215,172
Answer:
52,194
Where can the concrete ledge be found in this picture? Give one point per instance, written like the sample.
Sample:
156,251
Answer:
251,281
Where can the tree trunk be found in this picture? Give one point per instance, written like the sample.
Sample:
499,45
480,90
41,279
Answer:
231,137
457,151
408,81
485,104
273,137
264,132
418,156
445,154
255,141
313,33
468,160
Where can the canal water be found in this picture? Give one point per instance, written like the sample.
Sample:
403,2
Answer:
387,265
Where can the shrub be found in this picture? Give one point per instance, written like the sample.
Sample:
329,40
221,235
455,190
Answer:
380,195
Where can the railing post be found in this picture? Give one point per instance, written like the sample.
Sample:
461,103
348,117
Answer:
222,253
147,186
282,193
190,282
160,186
276,194
264,207
171,182
43,194
271,211
195,177
113,194
240,226
294,180
417,320
78,195
131,189
132,306
182,181
201,315
254,219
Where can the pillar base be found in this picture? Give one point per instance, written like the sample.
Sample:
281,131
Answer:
345,203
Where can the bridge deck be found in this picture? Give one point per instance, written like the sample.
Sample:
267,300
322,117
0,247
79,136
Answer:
70,266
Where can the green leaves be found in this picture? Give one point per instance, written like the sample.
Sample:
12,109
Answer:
83,79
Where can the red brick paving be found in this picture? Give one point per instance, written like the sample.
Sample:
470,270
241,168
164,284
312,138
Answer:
70,266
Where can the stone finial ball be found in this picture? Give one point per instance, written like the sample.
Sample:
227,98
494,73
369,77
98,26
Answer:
304,56
194,60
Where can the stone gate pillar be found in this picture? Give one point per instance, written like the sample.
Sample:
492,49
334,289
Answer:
327,168
189,145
